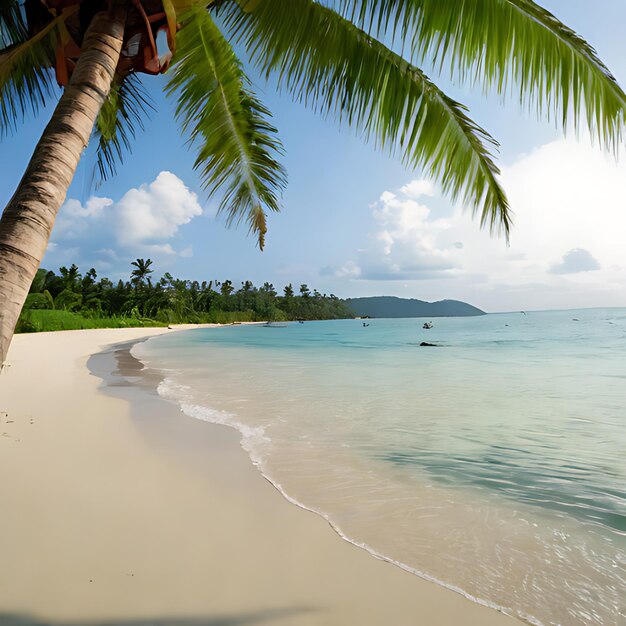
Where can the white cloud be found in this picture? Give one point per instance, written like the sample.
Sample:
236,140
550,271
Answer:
406,244
575,261
418,188
567,196
93,207
156,249
348,270
74,217
566,248
155,211
141,222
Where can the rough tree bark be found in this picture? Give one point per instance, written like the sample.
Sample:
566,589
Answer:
27,220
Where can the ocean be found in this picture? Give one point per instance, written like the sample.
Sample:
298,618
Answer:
493,463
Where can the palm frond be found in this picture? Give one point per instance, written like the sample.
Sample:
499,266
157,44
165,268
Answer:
511,46
13,28
124,111
237,146
26,77
357,79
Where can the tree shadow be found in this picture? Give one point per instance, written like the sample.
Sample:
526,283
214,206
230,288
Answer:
267,616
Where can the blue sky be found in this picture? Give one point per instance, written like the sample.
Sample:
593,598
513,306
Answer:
355,221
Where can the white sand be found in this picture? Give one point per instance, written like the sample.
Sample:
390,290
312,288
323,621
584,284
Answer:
151,517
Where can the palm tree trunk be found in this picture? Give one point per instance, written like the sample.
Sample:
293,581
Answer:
27,220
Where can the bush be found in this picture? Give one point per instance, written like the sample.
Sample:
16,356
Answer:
45,320
68,300
38,301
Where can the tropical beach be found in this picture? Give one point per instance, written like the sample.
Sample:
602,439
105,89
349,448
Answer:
300,325
118,509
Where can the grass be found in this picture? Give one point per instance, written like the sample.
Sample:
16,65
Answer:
42,320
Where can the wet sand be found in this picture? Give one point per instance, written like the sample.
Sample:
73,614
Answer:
118,509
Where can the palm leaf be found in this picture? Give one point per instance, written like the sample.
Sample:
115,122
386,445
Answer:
356,78
124,110
237,147
26,77
13,28
502,43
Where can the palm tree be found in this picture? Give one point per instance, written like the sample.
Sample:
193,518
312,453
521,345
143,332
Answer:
329,55
141,272
70,277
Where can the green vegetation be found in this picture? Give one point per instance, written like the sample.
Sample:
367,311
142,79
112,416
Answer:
35,321
390,306
361,62
70,300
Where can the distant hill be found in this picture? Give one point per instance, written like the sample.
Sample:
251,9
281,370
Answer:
390,306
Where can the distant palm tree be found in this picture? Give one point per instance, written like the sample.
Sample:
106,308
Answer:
141,272
70,277
226,288
329,55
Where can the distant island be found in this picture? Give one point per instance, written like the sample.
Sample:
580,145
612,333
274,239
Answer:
391,306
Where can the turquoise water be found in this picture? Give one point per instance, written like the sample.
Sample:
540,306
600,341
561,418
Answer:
494,463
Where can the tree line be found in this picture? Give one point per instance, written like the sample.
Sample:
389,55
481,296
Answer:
173,300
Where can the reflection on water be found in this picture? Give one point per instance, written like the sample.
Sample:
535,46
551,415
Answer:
494,463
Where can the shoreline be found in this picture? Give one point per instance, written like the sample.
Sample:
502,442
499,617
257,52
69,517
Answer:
185,525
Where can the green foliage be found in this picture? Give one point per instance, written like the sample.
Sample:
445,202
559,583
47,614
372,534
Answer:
26,78
359,61
85,302
360,81
68,300
237,146
503,43
124,111
42,321
142,271
13,28
39,301
229,317
39,281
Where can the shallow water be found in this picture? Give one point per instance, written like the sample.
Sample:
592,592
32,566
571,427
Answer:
494,463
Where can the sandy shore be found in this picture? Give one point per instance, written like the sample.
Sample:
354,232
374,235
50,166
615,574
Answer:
117,509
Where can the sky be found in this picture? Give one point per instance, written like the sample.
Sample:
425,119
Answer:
356,222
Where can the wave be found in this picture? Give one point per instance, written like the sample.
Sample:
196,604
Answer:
253,438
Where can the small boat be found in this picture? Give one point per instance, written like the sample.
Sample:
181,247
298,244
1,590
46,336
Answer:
427,325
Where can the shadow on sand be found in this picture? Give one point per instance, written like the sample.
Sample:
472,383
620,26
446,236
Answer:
268,616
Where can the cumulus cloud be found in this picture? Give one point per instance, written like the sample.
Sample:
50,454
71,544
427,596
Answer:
74,217
565,195
406,244
155,211
418,188
575,261
143,222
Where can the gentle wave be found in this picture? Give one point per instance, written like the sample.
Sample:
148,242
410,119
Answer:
252,438
493,467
